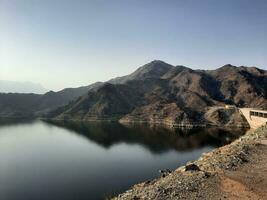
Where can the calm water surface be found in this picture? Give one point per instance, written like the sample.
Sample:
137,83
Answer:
78,161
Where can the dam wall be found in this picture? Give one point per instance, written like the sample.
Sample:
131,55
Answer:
255,117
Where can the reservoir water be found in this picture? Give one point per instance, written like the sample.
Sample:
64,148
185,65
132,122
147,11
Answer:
91,161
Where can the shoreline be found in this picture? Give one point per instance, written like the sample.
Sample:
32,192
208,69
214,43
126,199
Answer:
170,125
209,176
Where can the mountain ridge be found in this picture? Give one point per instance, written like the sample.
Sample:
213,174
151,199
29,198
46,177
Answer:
155,68
19,105
163,93
156,92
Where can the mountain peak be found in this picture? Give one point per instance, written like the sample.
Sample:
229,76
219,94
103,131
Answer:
157,62
228,66
156,68
153,69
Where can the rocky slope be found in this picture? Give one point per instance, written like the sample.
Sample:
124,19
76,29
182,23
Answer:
161,93
235,171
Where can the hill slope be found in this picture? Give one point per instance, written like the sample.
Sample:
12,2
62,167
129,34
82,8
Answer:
17,105
161,93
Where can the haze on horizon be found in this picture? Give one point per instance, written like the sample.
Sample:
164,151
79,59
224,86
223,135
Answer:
69,43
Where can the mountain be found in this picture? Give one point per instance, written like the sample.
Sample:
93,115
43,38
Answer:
52,100
16,105
155,93
154,69
242,86
21,87
161,93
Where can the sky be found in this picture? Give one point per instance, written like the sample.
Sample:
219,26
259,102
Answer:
69,43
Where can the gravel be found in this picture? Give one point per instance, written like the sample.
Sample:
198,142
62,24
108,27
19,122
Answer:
201,179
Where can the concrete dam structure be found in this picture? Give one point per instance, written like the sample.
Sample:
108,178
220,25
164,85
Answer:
255,117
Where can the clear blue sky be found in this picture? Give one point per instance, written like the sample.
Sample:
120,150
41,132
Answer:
68,43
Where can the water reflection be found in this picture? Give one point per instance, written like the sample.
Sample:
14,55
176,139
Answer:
15,122
155,138
76,160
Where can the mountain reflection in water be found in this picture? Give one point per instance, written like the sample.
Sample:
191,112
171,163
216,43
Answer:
89,160
155,138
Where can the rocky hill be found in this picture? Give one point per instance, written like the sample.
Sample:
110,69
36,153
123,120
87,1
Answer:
161,93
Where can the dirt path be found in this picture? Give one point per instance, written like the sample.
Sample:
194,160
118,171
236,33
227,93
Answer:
249,181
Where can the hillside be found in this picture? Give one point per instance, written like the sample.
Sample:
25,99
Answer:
17,105
161,93
155,93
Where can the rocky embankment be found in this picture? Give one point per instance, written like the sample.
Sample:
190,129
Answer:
235,171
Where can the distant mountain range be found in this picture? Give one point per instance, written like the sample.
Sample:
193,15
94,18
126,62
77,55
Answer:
156,93
21,87
15,105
